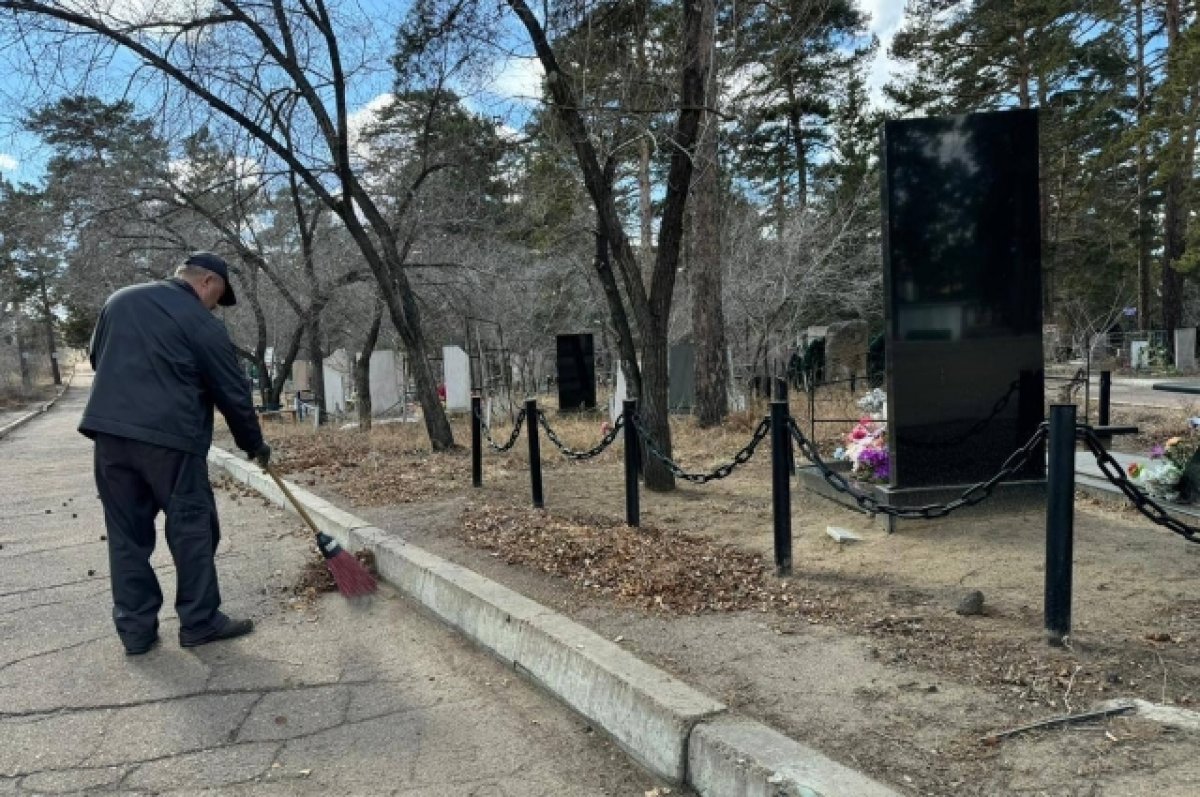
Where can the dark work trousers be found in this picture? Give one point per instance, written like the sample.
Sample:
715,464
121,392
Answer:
136,481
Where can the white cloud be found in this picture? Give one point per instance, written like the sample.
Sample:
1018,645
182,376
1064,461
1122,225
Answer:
8,163
886,18
142,11
517,78
360,119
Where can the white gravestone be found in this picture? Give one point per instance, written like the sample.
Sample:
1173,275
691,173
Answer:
336,368
615,404
1139,354
456,370
1185,349
387,383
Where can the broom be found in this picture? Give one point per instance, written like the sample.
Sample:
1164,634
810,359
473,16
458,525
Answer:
352,579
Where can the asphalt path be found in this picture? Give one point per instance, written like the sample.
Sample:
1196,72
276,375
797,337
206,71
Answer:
325,697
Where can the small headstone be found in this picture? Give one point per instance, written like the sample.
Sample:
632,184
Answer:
846,349
456,371
842,536
576,372
681,377
971,604
1185,349
387,382
1139,354
620,393
1100,350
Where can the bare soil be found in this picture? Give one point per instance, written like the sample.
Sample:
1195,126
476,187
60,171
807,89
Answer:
861,652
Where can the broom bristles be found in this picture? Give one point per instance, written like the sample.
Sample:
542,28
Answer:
352,579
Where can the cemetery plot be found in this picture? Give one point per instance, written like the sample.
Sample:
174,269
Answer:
863,653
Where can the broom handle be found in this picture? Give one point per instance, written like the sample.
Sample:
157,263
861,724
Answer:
284,489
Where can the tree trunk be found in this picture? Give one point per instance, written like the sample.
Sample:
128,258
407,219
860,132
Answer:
1174,210
283,365
48,322
260,334
796,132
22,353
708,314
1144,217
650,310
316,357
645,202
652,407
362,370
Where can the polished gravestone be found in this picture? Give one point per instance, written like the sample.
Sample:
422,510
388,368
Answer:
962,288
576,372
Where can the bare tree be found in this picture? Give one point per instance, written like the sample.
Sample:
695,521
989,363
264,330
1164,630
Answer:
640,314
708,313
822,268
277,71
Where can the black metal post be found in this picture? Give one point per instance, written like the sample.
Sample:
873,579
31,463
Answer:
1060,520
1105,397
535,452
781,394
812,411
781,486
633,509
476,440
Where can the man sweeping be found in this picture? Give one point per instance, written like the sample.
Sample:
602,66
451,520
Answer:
162,362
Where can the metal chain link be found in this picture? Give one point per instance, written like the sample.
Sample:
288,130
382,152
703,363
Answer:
740,458
974,494
1112,470
512,438
594,451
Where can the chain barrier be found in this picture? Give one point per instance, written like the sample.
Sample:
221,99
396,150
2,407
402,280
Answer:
594,451
1112,470
720,472
974,494
975,429
512,438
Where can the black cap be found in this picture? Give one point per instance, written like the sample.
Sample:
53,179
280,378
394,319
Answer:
217,266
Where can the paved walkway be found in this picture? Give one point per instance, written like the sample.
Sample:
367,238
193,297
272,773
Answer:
328,698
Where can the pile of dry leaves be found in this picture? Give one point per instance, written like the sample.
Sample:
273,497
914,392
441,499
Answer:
674,572
373,471
645,567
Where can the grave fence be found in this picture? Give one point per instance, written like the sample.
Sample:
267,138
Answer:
1057,439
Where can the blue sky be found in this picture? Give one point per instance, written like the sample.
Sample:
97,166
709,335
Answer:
515,81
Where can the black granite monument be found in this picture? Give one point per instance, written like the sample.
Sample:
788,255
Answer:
576,372
962,288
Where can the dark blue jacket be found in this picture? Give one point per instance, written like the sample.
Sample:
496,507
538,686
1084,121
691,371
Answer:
162,362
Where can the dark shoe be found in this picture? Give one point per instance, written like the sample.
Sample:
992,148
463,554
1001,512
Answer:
231,629
137,650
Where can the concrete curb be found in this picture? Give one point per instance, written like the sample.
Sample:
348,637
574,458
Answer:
743,758
671,729
24,419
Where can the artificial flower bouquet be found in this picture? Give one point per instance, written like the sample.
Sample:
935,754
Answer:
1161,477
874,404
865,447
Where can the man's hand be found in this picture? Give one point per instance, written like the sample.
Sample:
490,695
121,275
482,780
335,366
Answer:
262,456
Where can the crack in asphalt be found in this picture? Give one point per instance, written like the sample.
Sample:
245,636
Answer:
283,744
63,649
49,550
49,713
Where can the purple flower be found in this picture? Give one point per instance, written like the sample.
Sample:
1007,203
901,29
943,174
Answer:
877,461
1157,452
